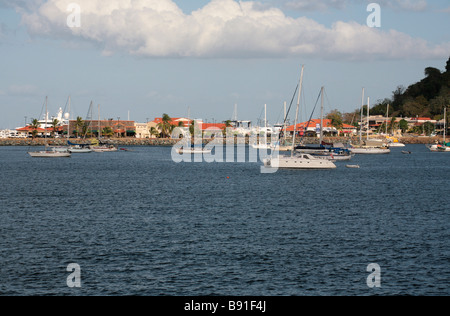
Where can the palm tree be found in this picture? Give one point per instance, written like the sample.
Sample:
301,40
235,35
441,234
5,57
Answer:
107,132
79,124
55,123
165,125
34,125
154,132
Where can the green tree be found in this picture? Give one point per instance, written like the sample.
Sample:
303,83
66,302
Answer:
34,126
79,124
55,124
165,125
403,125
154,132
428,128
336,119
107,131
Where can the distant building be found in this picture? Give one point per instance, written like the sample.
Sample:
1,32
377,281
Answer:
312,129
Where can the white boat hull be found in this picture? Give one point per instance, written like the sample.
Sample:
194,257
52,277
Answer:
396,145
370,150
439,148
49,154
80,150
103,149
193,151
299,162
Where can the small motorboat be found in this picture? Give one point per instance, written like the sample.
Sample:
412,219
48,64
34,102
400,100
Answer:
406,152
353,166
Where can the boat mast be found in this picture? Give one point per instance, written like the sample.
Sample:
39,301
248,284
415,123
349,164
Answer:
99,127
68,121
321,117
46,120
387,119
296,113
368,123
265,124
361,121
445,123
285,118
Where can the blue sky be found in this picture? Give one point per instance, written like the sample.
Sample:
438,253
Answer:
151,57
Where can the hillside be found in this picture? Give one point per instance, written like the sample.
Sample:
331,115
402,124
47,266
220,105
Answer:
426,98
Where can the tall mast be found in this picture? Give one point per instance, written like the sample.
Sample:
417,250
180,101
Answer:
368,122
296,113
361,121
387,119
285,118
99,127
445,123
265,124
321,117
68,121
45,126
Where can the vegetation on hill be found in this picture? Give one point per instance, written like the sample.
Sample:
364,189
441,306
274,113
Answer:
426,98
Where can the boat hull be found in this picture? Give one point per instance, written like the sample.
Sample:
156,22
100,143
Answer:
46,154
103,150
370,151
193,151
79,150
299,163
439,148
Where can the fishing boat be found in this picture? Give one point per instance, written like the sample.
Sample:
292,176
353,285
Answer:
296,160
48,152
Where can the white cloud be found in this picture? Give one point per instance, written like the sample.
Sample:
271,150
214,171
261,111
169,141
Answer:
323,5
307,5
221,29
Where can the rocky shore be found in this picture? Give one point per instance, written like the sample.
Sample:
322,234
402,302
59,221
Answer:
171,142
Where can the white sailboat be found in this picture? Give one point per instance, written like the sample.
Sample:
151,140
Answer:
264,144
48,152
298,161
368,147
445,147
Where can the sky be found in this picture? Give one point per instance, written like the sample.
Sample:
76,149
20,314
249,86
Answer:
200,58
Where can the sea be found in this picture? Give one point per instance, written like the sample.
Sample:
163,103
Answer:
137,223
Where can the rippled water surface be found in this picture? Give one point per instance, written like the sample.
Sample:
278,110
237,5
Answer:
139,224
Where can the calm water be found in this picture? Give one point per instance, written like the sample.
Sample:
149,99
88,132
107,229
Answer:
139,224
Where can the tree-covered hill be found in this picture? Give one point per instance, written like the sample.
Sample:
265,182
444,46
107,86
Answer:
426,98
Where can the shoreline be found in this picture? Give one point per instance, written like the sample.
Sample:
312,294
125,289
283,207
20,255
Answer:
171,142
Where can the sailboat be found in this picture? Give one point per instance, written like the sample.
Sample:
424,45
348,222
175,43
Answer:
265,144
48,152
368,147
298,161
444,147
331,153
